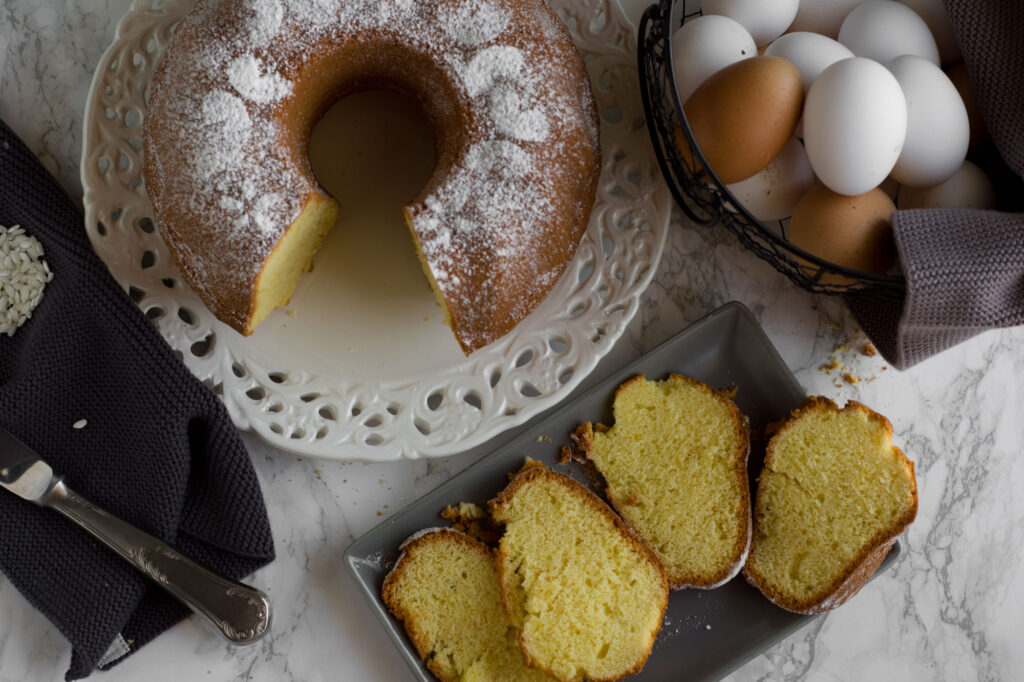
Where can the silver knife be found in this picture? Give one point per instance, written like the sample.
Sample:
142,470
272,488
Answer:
239,612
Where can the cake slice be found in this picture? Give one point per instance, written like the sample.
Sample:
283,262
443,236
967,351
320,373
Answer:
833,496
675,467
444,590
586,595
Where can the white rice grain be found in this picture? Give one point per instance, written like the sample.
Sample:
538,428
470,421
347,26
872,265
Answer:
23,276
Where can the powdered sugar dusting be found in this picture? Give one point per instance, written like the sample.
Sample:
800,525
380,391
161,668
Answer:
219,95
247,77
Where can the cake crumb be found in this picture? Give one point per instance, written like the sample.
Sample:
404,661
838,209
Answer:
869,350
294,314
851,378
707,627
80,424
541,439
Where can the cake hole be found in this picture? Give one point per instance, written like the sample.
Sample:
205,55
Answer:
597,24
277,377
373,439
133,118
356,410
136,143
103,164
565,376
373,421
276,428
528,390
110,113
138,59
321,433
578,309
524,358
604,81
218,388
645,227
135,182
328,412
168,282
612,115
202,348
151,45
616,309
148,260
421,426
155,313
298,434
135,293
618,273
495,378
237,370
309,397
585,272
125,162
602,291
147,225
511,411
108,91
186,316
434,401
275,408
256,393
116,214
101,229
558,344
392,409
473,400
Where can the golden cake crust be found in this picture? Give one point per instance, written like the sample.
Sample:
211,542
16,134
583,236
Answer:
861,567
235,97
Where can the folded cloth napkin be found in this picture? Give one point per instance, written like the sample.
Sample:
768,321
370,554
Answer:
964,268
157,447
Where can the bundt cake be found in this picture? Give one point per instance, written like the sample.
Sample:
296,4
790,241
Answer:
234,99
833,496
586,594
675,467
444,590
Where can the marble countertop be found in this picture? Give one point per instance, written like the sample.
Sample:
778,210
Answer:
951,609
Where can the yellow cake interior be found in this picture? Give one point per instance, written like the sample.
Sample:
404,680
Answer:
675,466
835,483
292,256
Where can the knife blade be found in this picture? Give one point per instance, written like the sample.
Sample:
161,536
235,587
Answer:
240,613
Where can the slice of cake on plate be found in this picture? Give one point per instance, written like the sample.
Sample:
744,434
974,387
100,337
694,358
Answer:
833,496
675,467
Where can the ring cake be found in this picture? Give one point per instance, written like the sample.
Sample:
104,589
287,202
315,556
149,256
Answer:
235,98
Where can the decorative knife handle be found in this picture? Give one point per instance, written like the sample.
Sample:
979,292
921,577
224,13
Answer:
239,612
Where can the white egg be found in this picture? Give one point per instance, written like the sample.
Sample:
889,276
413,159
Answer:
969,187
934,14
855,121
765,19
772,194
811,54
883,30
822,16
938,131
704,45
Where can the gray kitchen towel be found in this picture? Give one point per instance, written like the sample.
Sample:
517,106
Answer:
964,268
91,386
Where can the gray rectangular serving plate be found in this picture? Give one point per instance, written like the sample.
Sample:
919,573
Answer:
706,634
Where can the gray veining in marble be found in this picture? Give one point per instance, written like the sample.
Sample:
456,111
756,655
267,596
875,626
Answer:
952,609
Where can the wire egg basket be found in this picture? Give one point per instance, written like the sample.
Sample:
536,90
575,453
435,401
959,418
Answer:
699,192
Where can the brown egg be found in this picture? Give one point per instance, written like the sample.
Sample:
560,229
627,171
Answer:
854,232
743,115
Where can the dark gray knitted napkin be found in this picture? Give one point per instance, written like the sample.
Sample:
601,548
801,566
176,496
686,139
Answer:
964,268
157,447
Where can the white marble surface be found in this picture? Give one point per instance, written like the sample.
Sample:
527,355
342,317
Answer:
952,609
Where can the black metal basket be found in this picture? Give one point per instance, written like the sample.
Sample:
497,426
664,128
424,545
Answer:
702,196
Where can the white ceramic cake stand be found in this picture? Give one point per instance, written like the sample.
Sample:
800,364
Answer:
359,365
